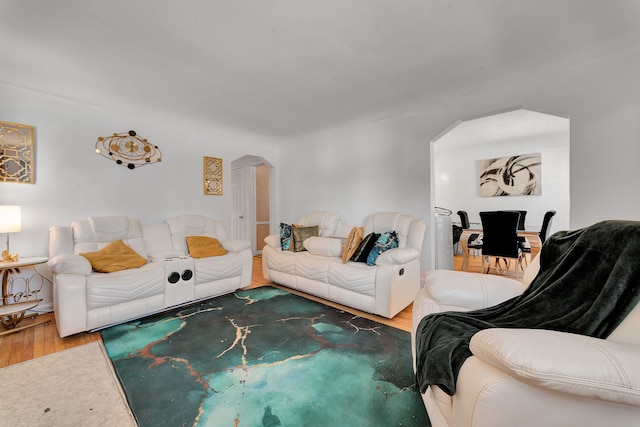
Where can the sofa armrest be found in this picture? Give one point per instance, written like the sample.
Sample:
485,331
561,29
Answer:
568,363
235,245
69,264
273,240
397,256
470,290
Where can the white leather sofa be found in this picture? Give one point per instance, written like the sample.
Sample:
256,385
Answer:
86,300
530,377
383,289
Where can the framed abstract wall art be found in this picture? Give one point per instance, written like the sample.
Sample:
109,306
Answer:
212,176
511,176
16,153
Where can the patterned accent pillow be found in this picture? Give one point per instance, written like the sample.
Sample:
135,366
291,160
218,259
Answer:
386,241
285,236
361,254
300,234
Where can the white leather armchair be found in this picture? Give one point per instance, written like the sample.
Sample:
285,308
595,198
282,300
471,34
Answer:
531,377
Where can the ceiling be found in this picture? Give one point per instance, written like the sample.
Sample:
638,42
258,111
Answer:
503,127
289,69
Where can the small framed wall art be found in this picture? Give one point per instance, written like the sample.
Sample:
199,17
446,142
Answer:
16,153
212,176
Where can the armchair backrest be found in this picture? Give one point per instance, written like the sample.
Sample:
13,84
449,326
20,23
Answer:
410,230
326,221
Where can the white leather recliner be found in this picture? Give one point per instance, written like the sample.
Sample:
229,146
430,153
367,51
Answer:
530,377
86,300
385,288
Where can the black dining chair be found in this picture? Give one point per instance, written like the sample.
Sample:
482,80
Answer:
523,215
522,241
474,241
500,240
546,226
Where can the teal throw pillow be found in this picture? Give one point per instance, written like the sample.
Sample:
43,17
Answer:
285,236
386,241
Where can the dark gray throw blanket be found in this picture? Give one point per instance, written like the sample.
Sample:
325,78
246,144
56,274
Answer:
589,280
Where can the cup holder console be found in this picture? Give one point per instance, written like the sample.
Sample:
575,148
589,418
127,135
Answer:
174,276
179,285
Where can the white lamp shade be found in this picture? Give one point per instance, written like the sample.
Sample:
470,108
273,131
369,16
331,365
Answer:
10,219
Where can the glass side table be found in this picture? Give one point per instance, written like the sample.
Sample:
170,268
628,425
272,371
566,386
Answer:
11,313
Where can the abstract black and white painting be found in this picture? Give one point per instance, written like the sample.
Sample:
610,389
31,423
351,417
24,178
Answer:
511,176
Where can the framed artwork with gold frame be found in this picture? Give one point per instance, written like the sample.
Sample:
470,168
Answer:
16,153
212,176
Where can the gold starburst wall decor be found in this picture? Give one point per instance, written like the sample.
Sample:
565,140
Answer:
212,176
16,153
128,149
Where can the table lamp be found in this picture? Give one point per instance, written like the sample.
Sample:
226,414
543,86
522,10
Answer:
10,221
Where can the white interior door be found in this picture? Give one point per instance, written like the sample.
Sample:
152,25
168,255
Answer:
239,204
252,184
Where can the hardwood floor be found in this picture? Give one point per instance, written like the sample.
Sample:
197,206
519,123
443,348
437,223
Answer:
42,340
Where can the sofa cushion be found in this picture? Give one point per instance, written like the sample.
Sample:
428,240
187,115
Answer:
285,236
387,240
361,254
203,246
351,244
227,266
324,246
125,286
300,234
114,257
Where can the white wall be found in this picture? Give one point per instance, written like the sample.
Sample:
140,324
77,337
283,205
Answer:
73,182
384,165
457,178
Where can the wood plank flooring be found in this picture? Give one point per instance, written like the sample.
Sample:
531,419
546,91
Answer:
42,340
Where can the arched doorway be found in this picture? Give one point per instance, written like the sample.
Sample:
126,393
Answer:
252,188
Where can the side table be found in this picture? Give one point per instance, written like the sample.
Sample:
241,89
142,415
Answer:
13,312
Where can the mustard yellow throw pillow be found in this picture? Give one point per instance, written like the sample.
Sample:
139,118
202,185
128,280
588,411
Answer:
352,243
115,256
203,246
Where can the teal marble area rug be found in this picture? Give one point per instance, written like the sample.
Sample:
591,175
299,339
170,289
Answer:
265,357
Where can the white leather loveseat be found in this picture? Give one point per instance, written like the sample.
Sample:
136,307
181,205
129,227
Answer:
530,377
385,288
85,299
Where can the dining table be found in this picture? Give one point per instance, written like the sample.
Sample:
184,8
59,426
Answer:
532,237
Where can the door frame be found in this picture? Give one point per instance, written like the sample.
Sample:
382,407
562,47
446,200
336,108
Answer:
248,164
